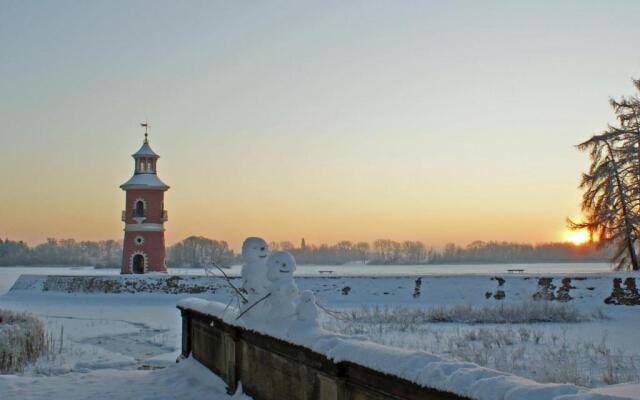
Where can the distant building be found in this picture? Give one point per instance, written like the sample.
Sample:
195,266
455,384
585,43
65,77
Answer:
144,215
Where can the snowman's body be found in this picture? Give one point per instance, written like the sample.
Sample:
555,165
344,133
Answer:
254,276
306,324
283,290
281,300
307,309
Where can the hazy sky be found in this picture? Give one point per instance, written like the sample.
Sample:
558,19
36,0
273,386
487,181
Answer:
438,121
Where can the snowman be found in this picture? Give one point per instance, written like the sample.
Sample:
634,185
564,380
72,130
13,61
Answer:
306,323
307,310
283,290
254,274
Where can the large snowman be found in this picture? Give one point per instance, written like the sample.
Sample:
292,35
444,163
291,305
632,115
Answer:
254,274
282,288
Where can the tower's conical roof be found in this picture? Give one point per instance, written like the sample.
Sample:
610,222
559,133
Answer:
144,181
145,177
145,151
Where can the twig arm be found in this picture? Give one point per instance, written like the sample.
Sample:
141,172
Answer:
238,291
253,305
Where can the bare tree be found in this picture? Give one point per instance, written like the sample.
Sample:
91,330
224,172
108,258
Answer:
197,252
414,252
363,251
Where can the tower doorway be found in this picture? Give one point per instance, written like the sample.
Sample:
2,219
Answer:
137,264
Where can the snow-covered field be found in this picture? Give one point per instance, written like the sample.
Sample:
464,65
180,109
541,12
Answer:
104,347
187,380
112,343
8,275
108,347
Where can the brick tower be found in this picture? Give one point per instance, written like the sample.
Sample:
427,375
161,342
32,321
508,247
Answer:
144,215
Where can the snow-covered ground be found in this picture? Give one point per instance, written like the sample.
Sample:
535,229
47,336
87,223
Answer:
100,331
187,380
597,351
108,347
121,338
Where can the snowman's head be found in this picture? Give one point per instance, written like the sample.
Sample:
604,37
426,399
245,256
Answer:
254,249
307,296
280,265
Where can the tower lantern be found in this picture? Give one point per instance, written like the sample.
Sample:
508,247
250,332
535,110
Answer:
144,215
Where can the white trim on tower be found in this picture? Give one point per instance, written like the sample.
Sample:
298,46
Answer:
144,203
144,228
144,256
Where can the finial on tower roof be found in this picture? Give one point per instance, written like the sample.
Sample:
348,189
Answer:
145,124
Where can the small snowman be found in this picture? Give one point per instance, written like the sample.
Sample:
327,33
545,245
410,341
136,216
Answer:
254,275
306,323
307,309
283,290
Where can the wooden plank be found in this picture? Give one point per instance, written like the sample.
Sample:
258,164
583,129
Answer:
366,383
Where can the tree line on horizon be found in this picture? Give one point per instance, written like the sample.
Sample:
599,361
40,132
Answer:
389,252
105,253
611,198
198,251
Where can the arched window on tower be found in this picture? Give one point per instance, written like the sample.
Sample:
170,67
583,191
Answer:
139,210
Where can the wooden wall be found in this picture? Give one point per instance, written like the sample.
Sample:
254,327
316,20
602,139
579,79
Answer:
272,369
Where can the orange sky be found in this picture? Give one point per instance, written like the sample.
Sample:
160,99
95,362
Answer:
79,197
433,122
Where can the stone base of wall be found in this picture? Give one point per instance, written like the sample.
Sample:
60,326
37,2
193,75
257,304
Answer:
120,284
610,289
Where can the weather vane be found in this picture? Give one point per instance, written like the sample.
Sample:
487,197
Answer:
145,125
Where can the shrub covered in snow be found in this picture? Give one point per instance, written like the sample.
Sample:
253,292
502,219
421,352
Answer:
22,340
529,341
525,312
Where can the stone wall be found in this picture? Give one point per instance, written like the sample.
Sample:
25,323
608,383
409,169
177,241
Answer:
614,289
120,284
272,369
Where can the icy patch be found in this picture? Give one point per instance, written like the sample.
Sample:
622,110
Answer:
186,380
141,345
78,357
630,390
164,360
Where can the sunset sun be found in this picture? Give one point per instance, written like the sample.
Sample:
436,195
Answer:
576,237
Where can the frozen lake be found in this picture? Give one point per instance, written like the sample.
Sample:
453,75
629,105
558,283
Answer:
8,275
115,334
